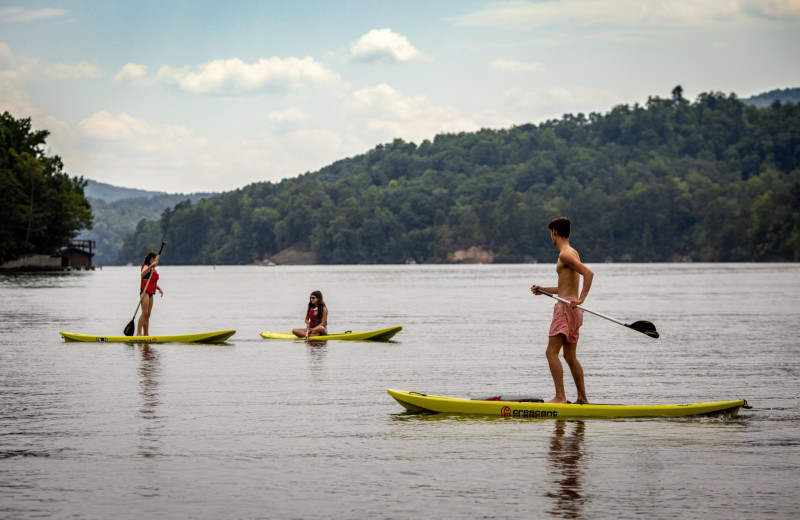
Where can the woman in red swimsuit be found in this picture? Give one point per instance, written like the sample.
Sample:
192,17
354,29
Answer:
147,290
316,318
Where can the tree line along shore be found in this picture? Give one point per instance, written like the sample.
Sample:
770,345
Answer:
715,180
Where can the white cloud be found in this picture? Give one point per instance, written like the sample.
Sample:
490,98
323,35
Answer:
103,126
289,115
621,35
17,72
124,150
20,14
653,13
106,127
132,137
6,56
134,73
14,98
135,158
21,68
233,76
12,66
287,120
409,117
516,66
384,45
554,102
780,10
318,137
71,71
270,156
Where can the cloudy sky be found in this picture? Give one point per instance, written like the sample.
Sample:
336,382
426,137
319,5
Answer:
191,96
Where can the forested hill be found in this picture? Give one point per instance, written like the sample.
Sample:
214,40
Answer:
711,180
117,211
786,95
109,193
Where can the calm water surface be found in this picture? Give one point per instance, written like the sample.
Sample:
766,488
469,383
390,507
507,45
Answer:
281,429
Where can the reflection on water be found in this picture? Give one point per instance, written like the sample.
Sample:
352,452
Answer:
149,373
316,353
566,452
317,350
40,279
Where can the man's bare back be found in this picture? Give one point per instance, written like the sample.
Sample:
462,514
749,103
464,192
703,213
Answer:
568,278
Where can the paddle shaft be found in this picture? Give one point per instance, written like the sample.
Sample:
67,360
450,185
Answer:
609,318
645,327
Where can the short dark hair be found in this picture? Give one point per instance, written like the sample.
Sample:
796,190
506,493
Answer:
561,225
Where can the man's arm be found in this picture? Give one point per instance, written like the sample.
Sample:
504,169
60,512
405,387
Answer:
551,290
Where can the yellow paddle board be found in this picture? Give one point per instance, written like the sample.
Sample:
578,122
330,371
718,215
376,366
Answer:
372,335
203,337
417,402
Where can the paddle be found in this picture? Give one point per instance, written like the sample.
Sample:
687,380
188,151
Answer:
130,327
645,327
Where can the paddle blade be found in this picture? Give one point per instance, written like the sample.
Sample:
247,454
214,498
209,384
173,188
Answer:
645,327
129,329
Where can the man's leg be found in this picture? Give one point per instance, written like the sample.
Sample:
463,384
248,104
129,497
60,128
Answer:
556,370
571,357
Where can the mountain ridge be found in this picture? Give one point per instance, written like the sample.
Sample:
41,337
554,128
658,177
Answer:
386,167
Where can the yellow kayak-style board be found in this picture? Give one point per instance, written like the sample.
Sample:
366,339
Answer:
202,337
424,403
372,335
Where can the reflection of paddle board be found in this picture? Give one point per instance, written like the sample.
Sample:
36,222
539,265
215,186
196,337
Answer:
372,335
415,402
203,337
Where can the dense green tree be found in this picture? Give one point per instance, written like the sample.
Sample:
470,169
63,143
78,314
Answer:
712,180
145,238
41,206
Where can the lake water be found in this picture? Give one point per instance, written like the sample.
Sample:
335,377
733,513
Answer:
285,429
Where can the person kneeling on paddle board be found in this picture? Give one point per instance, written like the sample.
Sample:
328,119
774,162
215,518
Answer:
147,291
567,320
316,318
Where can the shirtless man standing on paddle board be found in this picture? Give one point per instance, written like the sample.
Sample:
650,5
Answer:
567,320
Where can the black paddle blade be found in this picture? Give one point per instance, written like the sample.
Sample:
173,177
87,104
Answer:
129,329
645,327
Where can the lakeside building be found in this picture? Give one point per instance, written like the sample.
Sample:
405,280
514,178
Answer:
76,255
